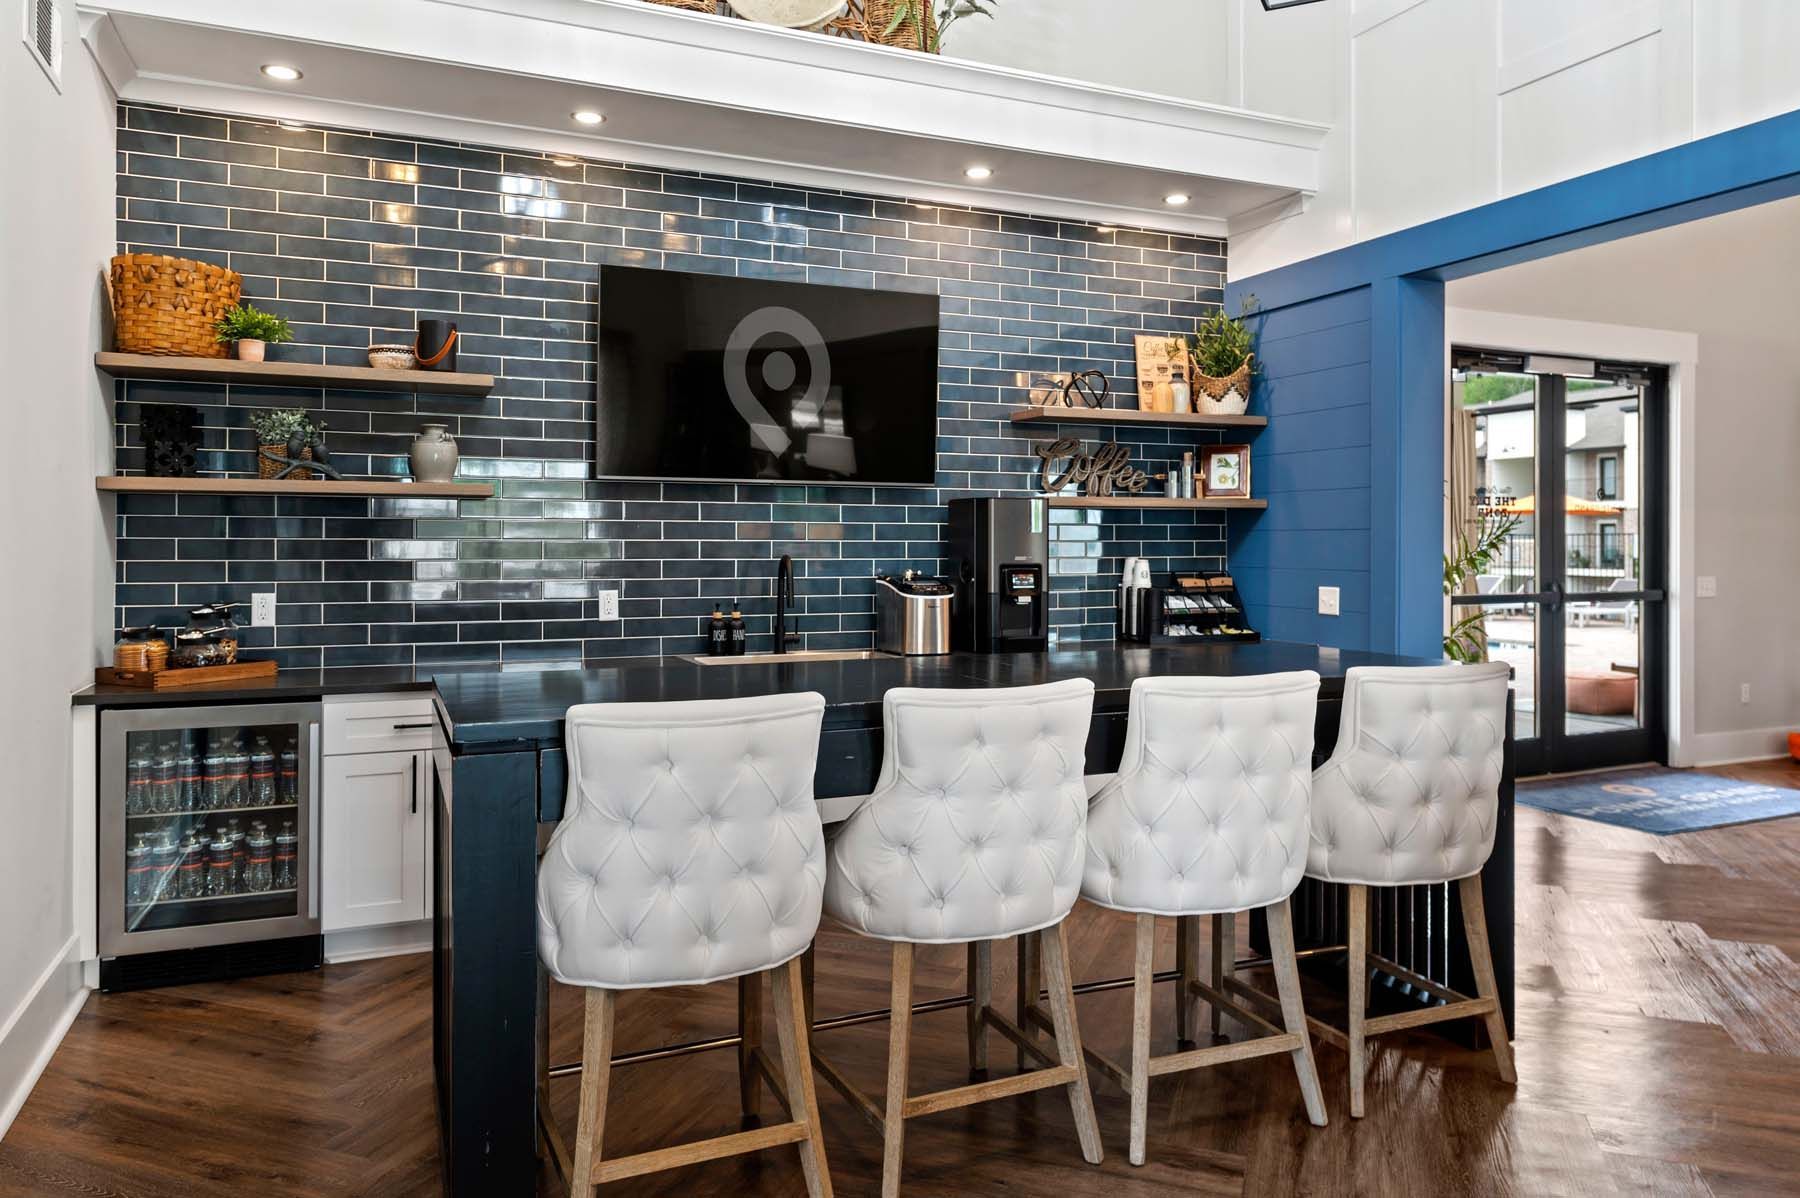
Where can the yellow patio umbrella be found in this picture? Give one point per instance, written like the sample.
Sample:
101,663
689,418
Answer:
1527,505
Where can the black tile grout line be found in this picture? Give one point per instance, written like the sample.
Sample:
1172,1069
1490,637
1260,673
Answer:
1041,294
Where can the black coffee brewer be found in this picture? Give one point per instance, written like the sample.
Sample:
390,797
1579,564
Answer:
1000,562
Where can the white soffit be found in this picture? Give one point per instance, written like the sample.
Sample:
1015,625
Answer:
721,96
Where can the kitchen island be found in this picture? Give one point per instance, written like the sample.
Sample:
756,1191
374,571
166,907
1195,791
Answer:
502,776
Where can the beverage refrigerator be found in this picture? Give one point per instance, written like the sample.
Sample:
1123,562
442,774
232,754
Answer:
208,843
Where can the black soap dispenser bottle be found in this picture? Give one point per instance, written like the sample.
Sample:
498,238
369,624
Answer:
739,639
718,636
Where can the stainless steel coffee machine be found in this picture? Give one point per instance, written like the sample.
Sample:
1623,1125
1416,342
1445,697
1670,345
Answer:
1000,558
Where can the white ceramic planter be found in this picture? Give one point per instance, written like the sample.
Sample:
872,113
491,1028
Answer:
434,454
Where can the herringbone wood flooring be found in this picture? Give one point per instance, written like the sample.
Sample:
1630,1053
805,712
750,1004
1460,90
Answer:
1658,1053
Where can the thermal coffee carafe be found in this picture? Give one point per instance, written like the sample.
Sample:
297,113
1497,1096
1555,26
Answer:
1000,552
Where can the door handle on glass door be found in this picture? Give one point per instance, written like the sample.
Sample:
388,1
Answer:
316,767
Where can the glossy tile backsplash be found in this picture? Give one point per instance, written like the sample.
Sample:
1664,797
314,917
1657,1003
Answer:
354,236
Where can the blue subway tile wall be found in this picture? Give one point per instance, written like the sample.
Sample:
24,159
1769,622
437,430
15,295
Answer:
355,236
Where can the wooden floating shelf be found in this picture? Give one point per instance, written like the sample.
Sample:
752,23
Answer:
289,374
1037,415
144,485
1155,503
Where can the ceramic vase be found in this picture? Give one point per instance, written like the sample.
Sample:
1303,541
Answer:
434,454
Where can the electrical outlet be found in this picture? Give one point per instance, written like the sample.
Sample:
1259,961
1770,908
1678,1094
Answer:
1706,586
1744,693
609,604
1328,601
262,609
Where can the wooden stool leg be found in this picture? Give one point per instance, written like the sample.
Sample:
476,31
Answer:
796,1072
1029,985
1358,897
1143,988
1293,1011
899,1048
808,966
750,1030
1068,1040
981,995
1187,964
1224,957
596,1070
1481,957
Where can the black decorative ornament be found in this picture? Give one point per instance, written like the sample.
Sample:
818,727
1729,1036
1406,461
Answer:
171,438
1089,386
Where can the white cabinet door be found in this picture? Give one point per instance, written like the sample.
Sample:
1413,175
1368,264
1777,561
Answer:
374,817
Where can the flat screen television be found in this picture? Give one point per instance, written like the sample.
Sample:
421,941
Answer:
717,378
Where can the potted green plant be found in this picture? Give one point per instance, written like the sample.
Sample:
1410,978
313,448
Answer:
919,24
1223,357
1466,639
251,330
286,432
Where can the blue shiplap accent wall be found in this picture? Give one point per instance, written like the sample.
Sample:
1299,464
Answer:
1313,465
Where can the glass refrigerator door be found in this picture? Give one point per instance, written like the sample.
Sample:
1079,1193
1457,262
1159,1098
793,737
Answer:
207,818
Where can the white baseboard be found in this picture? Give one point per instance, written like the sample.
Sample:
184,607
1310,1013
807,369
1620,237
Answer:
31,1033
364,944
1726,748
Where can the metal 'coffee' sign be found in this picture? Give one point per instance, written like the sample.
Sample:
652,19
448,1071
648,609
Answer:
1101,472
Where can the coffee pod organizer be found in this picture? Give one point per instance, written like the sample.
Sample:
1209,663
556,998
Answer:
1196,608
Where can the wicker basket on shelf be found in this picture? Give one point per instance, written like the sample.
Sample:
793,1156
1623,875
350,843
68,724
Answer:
868,20
1224,395
164,305
688,5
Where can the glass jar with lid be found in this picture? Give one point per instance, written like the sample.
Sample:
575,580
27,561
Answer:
140,648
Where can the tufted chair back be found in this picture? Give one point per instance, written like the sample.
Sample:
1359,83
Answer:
1208,812
974,831
689,849
1411,792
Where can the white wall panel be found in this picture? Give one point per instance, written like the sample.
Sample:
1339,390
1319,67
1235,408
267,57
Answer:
1422,95
1165,47
1745,65
1602,110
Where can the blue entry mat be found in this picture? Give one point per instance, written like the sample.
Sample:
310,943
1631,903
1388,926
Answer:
1660,801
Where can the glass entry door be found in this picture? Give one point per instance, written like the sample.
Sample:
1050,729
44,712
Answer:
207,826
1568,465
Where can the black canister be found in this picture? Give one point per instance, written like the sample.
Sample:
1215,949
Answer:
435,346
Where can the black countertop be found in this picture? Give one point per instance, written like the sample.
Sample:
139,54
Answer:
289,686
493,708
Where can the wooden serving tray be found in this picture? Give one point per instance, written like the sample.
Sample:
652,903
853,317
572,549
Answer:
175,679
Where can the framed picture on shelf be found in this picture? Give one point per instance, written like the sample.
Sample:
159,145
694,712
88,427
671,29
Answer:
1225,471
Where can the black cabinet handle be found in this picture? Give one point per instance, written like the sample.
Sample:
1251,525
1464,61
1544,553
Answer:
409,727
413,777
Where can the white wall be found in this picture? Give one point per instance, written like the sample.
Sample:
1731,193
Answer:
1165,47
1734,282
1442,105
56,216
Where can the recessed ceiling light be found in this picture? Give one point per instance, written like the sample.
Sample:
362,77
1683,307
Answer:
565,162
587,116
1175,199
291,124
281,72
979,172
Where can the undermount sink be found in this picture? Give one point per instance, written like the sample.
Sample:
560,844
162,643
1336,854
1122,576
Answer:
796,657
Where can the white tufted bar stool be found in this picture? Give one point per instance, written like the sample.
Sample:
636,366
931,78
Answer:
690,852
1207,816
1410,797
974,833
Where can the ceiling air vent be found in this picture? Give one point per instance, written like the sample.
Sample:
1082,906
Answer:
43,37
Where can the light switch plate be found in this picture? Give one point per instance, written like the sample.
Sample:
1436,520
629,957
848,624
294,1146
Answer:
1328,601
262,609
609,604
1706,586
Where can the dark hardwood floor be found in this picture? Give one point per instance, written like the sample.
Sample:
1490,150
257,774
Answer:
1658,1052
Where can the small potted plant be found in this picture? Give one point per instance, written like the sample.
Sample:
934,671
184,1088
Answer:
285,432
1223,357
251,331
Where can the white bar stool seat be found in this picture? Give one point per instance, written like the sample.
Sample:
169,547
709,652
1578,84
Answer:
973,833
690,852
1411,796
1207,816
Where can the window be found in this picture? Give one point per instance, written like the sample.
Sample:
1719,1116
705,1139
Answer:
1608,488
1611,558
